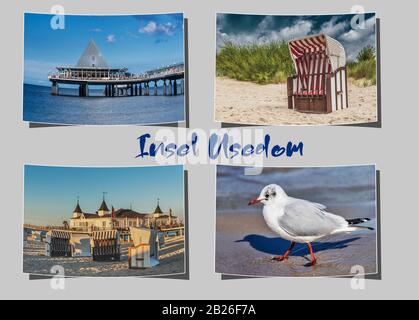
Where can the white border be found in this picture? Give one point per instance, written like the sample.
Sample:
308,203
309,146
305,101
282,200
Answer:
149,276
249,277
184,121
245,124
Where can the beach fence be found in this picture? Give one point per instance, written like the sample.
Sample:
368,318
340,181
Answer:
145,252
106,245
320,84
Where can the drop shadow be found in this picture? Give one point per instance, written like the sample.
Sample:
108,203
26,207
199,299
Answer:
377,276
181,276
177,124
376,124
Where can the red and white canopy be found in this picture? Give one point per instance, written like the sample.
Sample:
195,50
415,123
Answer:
320,44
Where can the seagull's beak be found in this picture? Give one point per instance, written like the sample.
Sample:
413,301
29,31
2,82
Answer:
255,201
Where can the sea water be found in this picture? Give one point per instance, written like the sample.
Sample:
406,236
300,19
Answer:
347,191
40,106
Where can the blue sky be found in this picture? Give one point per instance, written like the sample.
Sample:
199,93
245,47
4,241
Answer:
244,29
51,192
139,42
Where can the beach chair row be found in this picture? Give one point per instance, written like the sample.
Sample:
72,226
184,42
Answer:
105,246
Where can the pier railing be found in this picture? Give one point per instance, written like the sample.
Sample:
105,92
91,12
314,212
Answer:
152,75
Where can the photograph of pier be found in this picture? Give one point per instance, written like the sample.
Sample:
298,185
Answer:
104,70
104,222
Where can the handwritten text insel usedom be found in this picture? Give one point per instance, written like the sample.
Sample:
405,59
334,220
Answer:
217,145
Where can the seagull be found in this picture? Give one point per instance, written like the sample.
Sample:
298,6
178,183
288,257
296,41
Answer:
301,221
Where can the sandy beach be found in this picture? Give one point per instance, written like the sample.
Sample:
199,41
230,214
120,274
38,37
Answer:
172,259
249,252
250,103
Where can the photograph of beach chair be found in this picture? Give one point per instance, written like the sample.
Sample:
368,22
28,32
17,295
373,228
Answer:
131,229
105,245
321,83
297,222
104,70
296,70
145,252
57,244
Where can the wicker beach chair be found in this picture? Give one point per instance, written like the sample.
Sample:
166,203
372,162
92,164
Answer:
57,244
320,85
105,246
144,253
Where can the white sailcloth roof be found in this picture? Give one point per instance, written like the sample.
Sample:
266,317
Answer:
92,58
320,44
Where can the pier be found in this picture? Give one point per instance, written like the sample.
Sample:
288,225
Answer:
93,70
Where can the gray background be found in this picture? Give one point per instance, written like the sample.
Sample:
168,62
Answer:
392,148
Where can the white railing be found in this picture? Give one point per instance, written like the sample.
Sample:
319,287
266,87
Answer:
150,75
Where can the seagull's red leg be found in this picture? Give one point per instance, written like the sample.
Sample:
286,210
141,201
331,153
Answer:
286,254
313,258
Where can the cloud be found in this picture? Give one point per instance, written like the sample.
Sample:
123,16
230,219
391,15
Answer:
167,28
333,28
265,32
278,29
152,27
111,38
355,39
358,34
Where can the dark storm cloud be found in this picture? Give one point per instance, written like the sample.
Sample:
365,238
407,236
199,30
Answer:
244,29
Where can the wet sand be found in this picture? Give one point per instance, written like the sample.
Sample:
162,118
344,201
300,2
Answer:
248,252
171,262
250,103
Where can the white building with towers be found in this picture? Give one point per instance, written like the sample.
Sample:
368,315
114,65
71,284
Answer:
109,219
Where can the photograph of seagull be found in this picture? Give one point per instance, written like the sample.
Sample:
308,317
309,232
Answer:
301,221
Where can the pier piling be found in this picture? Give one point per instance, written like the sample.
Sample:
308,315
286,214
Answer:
55,89
84,90
175,87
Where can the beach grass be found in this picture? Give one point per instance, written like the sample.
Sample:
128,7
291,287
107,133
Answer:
263,64
364,69
271,63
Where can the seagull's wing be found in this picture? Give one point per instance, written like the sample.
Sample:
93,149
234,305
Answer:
307,219
319,205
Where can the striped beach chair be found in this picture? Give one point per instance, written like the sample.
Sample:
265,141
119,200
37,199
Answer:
57,244
320,85
106,246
